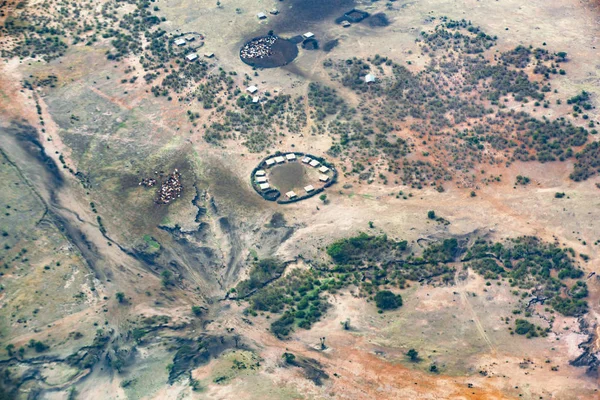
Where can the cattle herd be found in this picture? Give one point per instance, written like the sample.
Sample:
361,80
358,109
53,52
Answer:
259,48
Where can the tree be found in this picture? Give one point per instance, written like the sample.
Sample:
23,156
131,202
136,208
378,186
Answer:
562,55
323,198
346,324
386,300
9,348
413,355
289,358
431,214
120,297
117,364
197,310
166,277
40,347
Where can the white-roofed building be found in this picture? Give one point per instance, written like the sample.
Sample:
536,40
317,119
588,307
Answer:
190,38
264,186
323,178
191,57
290,156
255,99
279,160
323,169
260,172
251,89
209,55
308,35
270,161
290,194
314,163
261,179
369,78
180,42
309,188
306,160
261,15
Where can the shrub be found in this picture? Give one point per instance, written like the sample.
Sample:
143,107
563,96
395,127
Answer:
386,300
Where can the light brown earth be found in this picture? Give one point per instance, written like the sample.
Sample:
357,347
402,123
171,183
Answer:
448,325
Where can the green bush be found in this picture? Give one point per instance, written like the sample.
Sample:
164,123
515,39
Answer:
524,327
386,300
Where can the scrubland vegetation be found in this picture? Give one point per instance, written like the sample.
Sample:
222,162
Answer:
371,264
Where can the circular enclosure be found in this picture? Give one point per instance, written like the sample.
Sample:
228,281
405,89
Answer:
268,51
291,177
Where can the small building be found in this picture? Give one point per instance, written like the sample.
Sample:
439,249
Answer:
306,160
274,11
251,89
264,186
323,178
270,162
209,55
308,35
180,42
191,57
279,160
309,188
323,169
261,179
290,156
260,172
369,78
346,24
290,194
314,163
261,15
190,38
255,99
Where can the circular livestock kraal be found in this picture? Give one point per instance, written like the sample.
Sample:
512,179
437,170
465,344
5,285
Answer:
290,177
268,51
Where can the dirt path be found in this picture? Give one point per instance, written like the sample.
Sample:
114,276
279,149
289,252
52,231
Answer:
465,300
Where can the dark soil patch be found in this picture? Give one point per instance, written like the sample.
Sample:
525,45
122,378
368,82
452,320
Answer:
378,20
289,176
277,220
304,14
297,39
327,47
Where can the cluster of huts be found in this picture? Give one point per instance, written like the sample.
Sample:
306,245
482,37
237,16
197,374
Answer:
262,15
316,164
260,180
184,40
260,176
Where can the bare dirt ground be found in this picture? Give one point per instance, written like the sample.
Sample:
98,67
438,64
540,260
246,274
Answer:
134,131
